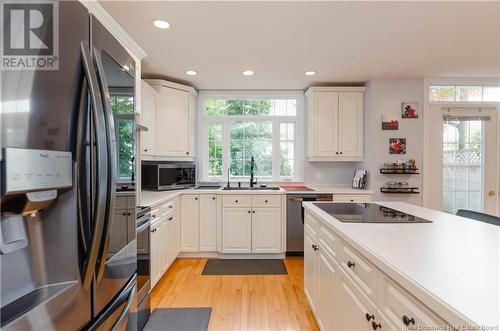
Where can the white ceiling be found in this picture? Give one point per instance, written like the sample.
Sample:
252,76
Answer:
344,42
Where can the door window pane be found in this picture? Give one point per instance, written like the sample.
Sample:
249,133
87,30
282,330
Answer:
462,165
247,139
491,93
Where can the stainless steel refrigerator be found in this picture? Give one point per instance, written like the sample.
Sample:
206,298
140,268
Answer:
67,146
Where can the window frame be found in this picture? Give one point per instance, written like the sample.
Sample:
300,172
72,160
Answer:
225,120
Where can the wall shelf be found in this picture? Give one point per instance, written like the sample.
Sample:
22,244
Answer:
400,190
386,171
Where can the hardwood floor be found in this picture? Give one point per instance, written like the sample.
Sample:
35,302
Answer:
239,302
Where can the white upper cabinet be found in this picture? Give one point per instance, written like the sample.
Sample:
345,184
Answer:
335,123
148,114
173,122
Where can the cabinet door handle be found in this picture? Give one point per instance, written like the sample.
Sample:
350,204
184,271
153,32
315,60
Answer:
315,247
253,211
340,152
337,153
213,198
351,264
352,200
369,317
266,201
407,320
124,214
170,206
170,218
236,201
249,211
146,150
196,198
375,325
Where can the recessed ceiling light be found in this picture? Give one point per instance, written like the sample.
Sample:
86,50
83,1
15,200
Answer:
247,73
161,24
310,73
191,73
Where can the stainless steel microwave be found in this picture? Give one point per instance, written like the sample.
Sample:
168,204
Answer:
162,176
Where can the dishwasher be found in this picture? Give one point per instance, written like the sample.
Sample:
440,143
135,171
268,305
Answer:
295,220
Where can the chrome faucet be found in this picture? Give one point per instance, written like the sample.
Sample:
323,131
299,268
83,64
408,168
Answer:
252,165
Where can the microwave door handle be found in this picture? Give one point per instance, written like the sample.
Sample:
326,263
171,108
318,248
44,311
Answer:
112,163
99,212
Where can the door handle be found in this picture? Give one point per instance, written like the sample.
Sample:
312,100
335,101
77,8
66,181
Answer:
99,212
491,193
112,162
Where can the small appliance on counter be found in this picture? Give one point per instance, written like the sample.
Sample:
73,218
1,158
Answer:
359,179
163,176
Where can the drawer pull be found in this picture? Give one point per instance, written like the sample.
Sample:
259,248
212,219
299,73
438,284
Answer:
351,264
236,201
407,320
213,198
170,218
352,200
170,206
369,317
315,247
196,198
375,325
266,201
249,211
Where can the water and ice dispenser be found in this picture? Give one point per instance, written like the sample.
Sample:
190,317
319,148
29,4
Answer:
31,182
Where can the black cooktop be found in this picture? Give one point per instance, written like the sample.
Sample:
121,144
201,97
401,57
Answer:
368,213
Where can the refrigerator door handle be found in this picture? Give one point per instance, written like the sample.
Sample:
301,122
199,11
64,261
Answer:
112,162
99,211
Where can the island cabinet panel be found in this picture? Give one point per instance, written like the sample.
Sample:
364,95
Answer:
266,230
310,269
237,230
348,292
328,294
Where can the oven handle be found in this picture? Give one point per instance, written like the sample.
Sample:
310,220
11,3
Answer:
143,226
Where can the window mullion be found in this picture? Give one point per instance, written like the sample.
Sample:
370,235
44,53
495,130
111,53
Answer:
226,154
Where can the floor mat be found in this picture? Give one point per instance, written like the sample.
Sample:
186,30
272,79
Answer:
244,267
179,319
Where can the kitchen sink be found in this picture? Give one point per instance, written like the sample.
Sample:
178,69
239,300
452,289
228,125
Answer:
272,188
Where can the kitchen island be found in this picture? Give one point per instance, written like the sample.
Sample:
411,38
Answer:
396,276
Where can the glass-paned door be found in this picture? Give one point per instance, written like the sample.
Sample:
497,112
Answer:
463,165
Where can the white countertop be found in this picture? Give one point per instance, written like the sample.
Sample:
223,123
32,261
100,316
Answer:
451,265
149,198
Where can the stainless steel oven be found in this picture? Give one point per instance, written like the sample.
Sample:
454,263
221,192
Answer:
143,224
160,176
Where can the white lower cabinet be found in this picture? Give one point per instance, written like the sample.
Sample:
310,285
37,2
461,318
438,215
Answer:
208,223
198,223
252,224
347,292
266,230
190,225
237,230
164,240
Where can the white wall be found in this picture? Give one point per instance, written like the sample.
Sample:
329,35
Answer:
384,96
334,173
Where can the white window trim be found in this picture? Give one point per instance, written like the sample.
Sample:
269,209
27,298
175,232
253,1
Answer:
203,120
428,82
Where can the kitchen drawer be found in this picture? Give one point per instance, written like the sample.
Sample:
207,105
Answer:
236,201
266,200
403,310
351,198
362,272
167,207
121,203
330,242
155,213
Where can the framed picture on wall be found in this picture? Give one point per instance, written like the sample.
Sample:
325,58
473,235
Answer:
409,110
397,146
